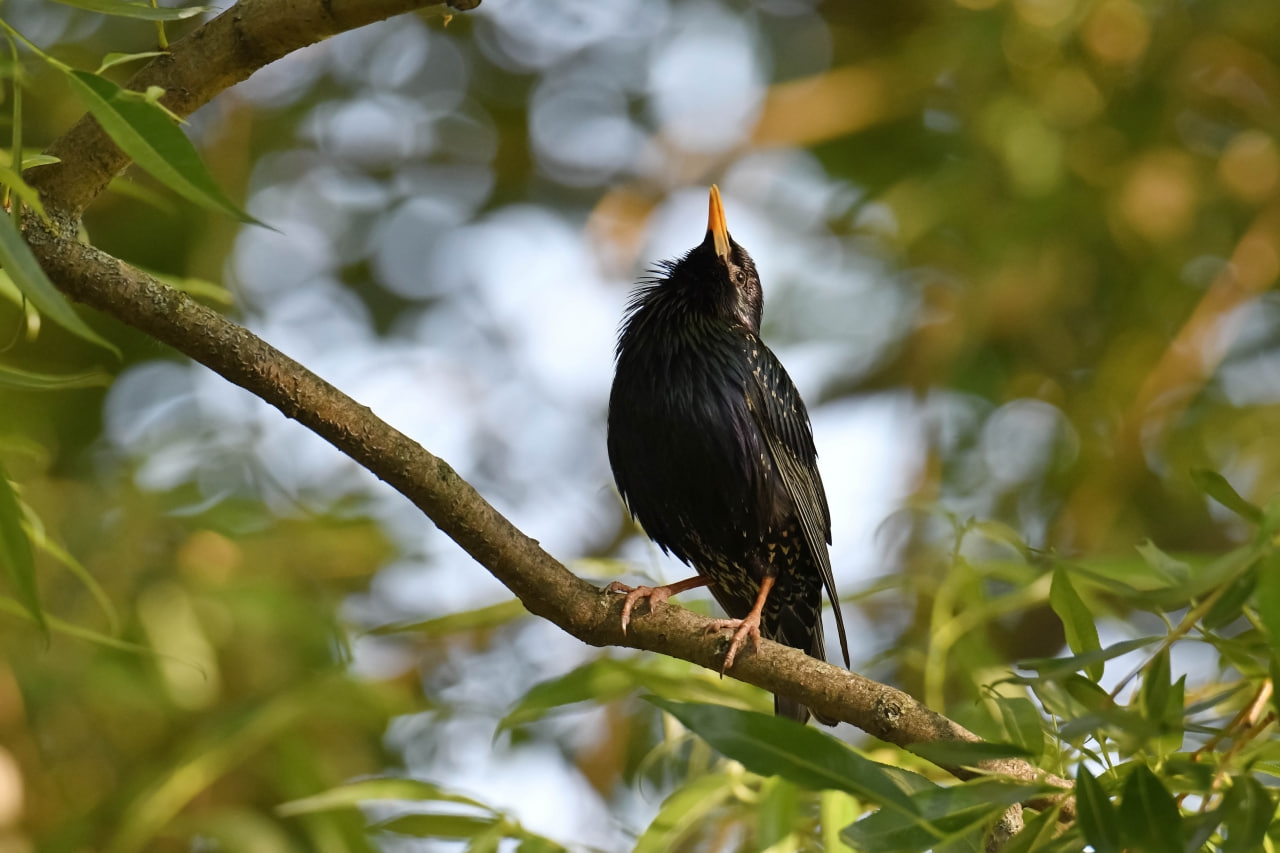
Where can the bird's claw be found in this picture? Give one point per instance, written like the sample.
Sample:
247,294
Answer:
743,628
656,595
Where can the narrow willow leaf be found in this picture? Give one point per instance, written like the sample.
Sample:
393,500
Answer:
113,59
1038,834
26,273
1149,818
140,11
16,554
951,818
1095,814
480,619
355,793
1267,596
1249,811
1217,487
1023,724
26,380
1056,668
686,809
22,190
771,746
148,135
31,160
53,549
456,827
965,754
1077,620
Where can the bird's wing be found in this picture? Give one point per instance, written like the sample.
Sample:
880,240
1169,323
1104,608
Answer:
779,412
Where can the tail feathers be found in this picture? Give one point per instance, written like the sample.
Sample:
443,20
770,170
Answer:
815,646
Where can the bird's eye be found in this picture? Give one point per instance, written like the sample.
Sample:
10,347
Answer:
740,277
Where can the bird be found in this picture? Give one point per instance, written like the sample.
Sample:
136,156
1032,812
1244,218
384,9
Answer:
713,454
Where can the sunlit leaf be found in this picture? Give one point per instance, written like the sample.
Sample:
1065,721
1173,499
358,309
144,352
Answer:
958,813
480,619
1077,619
771,745
1149,818
27,380
1170,570
151,138
355,793
1056,668
836,810
607,678
141,11
113,59
1040,834
16,554
26,273
1217,487
685,810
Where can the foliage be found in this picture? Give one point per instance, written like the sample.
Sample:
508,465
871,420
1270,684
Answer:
1068,212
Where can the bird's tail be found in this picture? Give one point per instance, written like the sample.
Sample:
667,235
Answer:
815,645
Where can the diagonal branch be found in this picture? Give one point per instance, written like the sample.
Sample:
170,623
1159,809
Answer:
227,50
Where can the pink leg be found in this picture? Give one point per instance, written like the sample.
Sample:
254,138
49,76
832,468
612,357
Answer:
656,594
748,627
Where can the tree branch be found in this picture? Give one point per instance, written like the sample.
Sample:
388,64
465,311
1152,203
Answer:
227,50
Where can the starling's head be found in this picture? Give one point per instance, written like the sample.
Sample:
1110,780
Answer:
718,277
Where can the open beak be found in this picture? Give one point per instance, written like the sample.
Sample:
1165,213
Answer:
716,226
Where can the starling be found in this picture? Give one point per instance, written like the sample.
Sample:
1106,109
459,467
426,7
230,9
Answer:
713,453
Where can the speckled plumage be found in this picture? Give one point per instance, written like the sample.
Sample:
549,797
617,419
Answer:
712,449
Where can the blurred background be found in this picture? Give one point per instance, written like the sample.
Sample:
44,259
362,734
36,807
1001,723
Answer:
1017,255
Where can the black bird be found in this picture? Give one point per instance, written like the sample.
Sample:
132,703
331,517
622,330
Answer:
713,453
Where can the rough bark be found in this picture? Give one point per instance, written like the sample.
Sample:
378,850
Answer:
228,49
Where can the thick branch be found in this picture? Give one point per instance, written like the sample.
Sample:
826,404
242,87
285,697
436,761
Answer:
545,586
229,49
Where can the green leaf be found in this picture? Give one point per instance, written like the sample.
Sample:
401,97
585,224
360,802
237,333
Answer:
1095,814
1057,668
1149,817
453,826
15,552
1077,619
26,380
1216,486
959,813
1267,596
1231,603
22,190
140,11
771,746
836,810
26,273
606,679
1153,697
355,793
113,59
686,809
480,619
63,556
147,134
776,811
1023,724
1248,812
1167,568
964,754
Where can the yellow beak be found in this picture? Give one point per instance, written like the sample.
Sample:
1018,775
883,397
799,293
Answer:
716,225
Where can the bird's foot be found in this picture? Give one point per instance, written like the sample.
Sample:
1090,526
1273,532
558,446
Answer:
743,629
655,594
